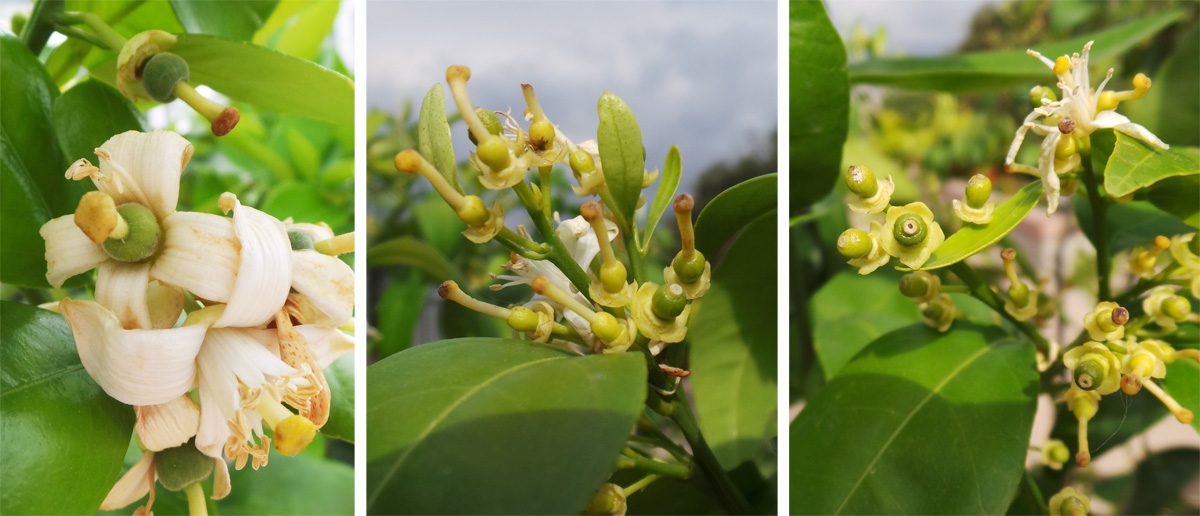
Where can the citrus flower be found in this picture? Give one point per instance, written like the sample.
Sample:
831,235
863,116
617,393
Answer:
1054,454
1184,248
1145,360
689,269
939,313
976,208
611,287
863,248
910,234
873,194
1069,502
1084,405
661,312
1094,367
615,335
1080,112
1106,322
482,224
920,287
1022,301
501,161
1143,259
1166,308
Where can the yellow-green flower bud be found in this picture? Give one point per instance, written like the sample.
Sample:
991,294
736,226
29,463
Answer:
1177,308
861,181
181,466
300,240
910,230
494,152
472,211
161,73
1057,452
141,241
854,243
688,269
612,276
522,319
914,285
1072,507
1019,293
581,162
1041,92
491,123
541,134
668,302
979,189
609,499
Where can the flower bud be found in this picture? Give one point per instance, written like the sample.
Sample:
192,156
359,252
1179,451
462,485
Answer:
581,162
522,319
854,243
182,466
979,189
913,285
606,327
541,134
910,230
491,123
689,269
668,302
1041,92
472,211
612,276
494,152
161,73
609,499
142,240
1177,308
300,240
861,181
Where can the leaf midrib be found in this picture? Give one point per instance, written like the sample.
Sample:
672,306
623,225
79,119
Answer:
441,417
915,410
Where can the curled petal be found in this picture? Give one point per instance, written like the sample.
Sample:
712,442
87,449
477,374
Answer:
1117,122
576,235
326,281
200,255
137,367
328,344
700,287
1046,171
221,485
878,202
147,166
133,485
68,250
488,230
126,290
213,431
264,274
974,215
168,425
874,259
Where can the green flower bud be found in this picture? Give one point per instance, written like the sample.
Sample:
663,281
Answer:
688,269
910,230
522,319
605,327
181,466
1019,293
143,238
979,188
861,181
494,152
300,240
541,134
472,211
1089,374
854,243
935,311
1060,453
913,285
1041,92
668,302
491,122
581,162
612,276
161,73
1072,507
1177,307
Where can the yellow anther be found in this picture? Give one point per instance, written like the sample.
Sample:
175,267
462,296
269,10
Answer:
97,217
1141,82
1061,65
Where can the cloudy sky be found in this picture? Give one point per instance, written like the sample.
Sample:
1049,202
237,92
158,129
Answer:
914,27
701,75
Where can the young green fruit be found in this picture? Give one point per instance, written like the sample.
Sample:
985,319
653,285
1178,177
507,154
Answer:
161,73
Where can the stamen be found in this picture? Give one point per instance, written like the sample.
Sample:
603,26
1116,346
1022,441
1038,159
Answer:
412,162
683,214
222,119
1183,415
541,285
97,217
340,244
450,290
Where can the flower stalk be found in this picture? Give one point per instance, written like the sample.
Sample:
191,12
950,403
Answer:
1099,210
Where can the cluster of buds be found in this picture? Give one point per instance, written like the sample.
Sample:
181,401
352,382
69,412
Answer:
1022,300
908,232
1115,360
266,303
923,288
603,309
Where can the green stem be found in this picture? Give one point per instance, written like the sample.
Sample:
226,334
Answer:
556,252
1099,221
636,265
955,289
40,25
103,31
1034,490
1023,262
662,440
729,496
639,485
653,466
544,175
72,32
980,290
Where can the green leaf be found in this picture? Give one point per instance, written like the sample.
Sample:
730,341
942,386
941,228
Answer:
1170,108
270,80
22,249
397,312
56,424
733,348
919,410
1129,224
304,202
233,20
1183,383
433,135
492,426
90,113
973,238
412,252
1003,69
621,153
291,486
667,186
851,311
1177,196
439,224
732,210
28,95
340,375
819,93
1134,165
1160,481
298,28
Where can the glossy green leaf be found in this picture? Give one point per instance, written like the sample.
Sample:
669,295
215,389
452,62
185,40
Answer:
1183,383
1003,69
22,249
667,186
732,210
851,311
233,20
621,153
433,135
819,96
299,28
90,113
1177,196
734,348
397,312
270,80
919,412
1170,108
56,424
1134,165
340,375
439,224
412,252
1129,224
297,485
973,238
492,426
304,202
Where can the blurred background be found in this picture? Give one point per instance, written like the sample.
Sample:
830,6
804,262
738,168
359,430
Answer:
700,75
932,142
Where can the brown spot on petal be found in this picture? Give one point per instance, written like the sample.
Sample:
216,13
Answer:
295,352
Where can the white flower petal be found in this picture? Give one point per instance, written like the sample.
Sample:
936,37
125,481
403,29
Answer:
221,485
167,425
137,367
1046,170
121,288
213,432
578,237
326,281
264,274
147,166
1117,122
68,250
132,486
200,255
165,302
318,232
327,343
